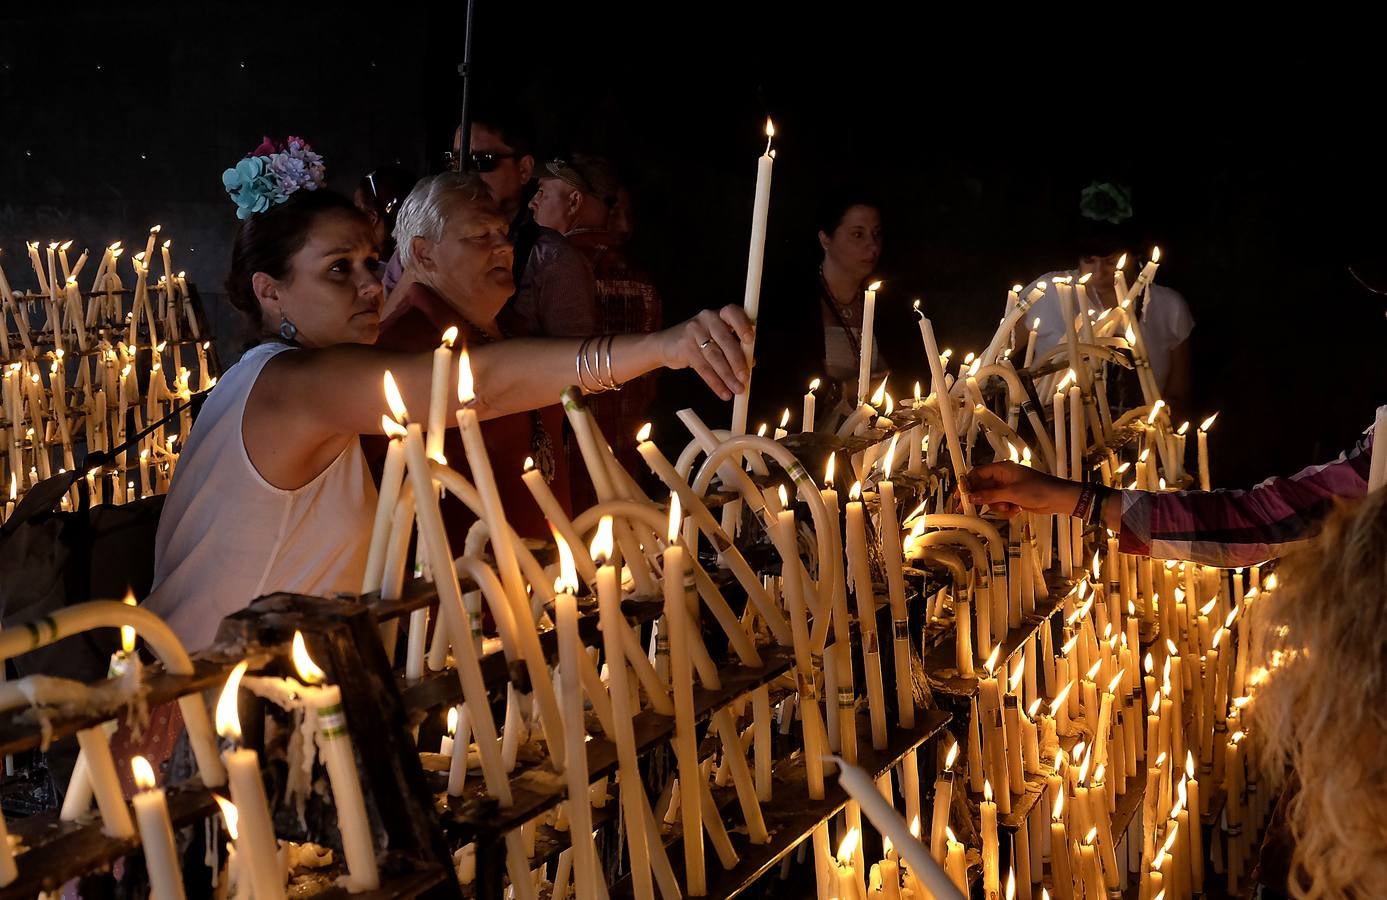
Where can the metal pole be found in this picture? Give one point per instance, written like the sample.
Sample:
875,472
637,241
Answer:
465,70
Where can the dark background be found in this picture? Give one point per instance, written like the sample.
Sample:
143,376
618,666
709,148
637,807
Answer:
1255,159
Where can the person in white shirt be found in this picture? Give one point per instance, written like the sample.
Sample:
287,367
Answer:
1165,318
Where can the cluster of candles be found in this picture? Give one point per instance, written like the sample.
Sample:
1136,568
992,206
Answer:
1126,683
87,368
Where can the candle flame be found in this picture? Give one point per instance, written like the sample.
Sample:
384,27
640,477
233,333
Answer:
1116,680
393,398
987,790
1011,884
601,548
1181,793
466,387
127,632
848,846
1012,455
1208,423
785,417
761,430
309,672
568,573
228,719
1069,645
1091,836
917,393
854,493
1083,768
643,434
829,470
991,664
1155,254
1155,411
1155,703
676,517
890,456
1170,646
879,395
1034,708
1058,814
1238,736
770,128
1016,675
949,835
229,814
1271,582
392,429
1083,279
952,757
784,497
1092,672
886,847
452,721
874,286
1232,615
143,772
1183,429
915,827
449,336
1189,764
890,404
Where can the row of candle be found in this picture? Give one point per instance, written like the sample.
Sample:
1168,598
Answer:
78,386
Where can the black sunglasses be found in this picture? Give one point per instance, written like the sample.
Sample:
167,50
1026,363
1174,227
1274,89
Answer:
488,161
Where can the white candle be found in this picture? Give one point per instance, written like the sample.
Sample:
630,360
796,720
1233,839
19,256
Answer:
335,749
943,800
391,478
891,552
258,850
990,874
807,422
863,789
751,300
156,834
438,393
864,364
632,792
576,771
1202,437
866,615
946,407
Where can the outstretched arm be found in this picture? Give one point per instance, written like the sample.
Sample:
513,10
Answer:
306,405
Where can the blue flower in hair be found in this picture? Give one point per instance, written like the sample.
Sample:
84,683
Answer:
253,186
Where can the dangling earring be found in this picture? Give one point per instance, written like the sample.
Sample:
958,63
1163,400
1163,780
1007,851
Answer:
287,331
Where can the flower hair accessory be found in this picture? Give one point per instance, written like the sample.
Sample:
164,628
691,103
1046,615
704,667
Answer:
1106,202
270,173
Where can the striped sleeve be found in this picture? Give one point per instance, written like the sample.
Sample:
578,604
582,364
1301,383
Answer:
1241,527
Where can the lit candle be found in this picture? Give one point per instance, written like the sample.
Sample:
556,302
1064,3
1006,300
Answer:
445,743
259,852
1059,847
156,833
335,747
438,394
849,885
392,477
574,734
864,364
988,809
862,788
751,300
807,422
956,863
632,793
943,800
1196,834
1202,436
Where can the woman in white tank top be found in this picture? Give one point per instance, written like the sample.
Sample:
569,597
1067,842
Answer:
271,492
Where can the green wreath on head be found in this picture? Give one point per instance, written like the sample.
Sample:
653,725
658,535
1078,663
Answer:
1103,201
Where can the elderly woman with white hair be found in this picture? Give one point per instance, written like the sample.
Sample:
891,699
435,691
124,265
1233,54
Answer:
457,273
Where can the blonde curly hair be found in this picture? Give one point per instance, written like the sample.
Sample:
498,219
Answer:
1320,706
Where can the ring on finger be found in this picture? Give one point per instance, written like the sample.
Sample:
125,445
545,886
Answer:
703,345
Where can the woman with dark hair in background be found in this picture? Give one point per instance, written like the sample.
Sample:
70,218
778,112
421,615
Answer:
379,195
815,316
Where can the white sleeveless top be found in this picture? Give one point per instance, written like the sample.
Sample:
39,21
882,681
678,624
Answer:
227,536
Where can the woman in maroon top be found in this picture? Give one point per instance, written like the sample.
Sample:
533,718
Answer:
457,272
